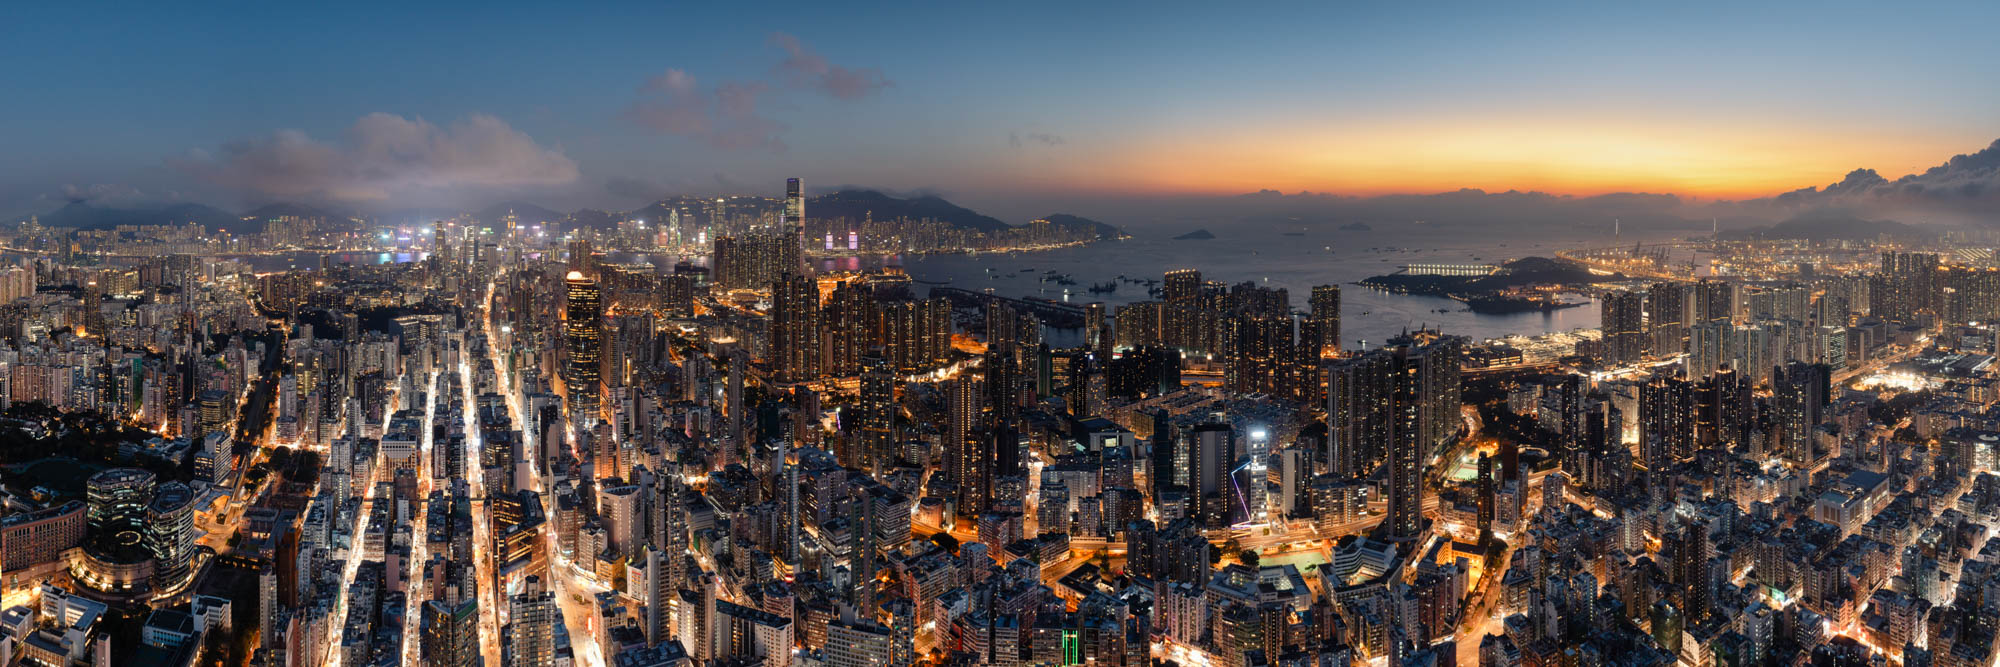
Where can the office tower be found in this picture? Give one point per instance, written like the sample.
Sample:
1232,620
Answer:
1666,318
583,327
795,328
215,408
451,632
877,406
532,622
170,535
1326,320
795,204
118,500
1181,317
1623,322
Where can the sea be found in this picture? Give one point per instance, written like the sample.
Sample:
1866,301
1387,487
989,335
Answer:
1295,258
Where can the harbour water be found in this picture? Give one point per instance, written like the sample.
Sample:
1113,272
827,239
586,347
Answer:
1293,258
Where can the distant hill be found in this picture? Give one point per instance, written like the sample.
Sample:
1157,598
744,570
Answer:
1196,235
1067,221
527,213
589,218
84,216
1825,226
269,211
858,204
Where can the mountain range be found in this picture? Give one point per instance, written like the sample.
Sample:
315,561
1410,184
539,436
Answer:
851,204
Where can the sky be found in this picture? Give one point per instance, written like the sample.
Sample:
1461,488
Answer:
1010,108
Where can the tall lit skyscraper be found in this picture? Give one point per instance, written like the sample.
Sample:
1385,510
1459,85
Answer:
792,258
1180,322
583,327
170,535
795,204
1326,319
963,448
878,411
795,344
1624,317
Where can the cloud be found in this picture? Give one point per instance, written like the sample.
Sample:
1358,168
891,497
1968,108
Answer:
383,156
633,188
102,194
672,102
802,67
1018,140
1965,189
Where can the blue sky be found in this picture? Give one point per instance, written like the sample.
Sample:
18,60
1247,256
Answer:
1006,105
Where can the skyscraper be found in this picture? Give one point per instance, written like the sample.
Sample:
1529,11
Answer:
1180,321
964,449
170,535
792,257
583,327
1624,319
1666,318
1217,502
1326,320
795,343
877,405
1397,405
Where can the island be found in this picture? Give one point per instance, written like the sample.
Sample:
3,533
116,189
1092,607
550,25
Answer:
1529,284
1196,235
1356,227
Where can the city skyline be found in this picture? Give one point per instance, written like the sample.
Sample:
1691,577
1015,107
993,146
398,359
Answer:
1026,335
373,107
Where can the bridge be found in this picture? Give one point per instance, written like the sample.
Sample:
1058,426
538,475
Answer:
1436,269
1052,313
